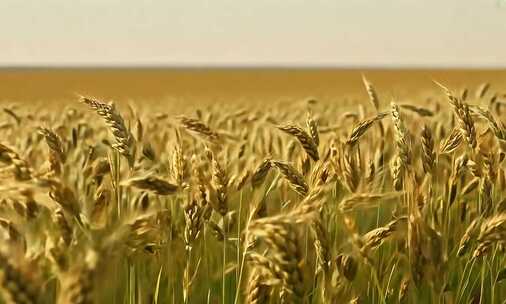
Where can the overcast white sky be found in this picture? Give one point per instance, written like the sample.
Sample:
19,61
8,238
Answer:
259,32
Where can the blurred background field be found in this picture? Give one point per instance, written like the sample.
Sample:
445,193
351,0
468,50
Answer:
163,88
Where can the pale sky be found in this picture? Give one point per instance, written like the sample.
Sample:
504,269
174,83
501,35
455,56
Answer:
259,32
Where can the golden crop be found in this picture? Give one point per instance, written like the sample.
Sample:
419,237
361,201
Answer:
381,202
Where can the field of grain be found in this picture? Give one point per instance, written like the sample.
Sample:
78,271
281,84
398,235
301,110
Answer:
361,193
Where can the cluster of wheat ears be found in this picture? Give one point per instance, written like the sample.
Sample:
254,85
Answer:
304,203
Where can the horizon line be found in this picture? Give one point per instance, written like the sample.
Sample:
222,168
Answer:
208,66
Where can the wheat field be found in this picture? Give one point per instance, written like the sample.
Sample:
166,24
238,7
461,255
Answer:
381,200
